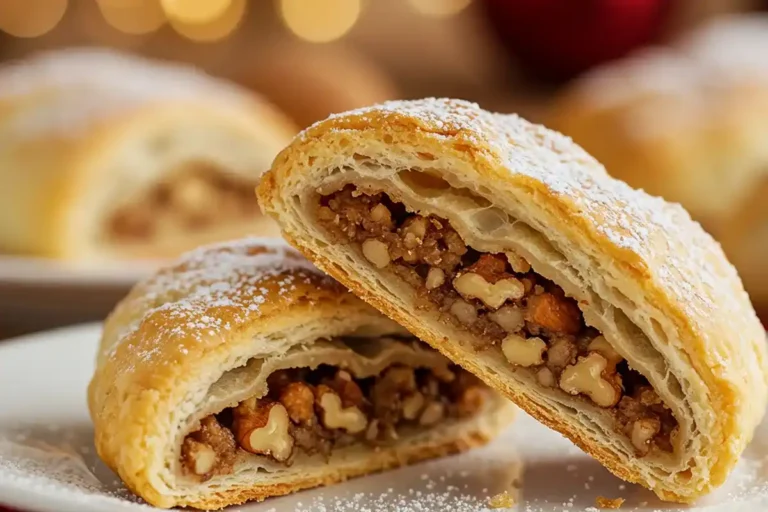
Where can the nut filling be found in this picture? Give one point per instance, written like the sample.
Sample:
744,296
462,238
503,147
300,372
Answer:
193,200
502,302
316,411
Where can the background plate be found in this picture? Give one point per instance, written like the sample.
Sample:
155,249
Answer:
48,464
39,293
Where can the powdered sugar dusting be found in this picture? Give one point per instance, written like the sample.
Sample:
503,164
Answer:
238,277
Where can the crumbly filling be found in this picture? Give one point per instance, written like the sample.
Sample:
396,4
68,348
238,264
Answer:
503,303
315,411
193,200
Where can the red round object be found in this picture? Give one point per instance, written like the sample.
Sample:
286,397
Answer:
558,39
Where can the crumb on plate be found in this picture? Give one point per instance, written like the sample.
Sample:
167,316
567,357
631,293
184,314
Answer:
608,503
502,500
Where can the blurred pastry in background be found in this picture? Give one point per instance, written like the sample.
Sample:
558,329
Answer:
310,82
110,156
689,123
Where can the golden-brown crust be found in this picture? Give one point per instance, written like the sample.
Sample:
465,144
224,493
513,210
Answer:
651,250
175,335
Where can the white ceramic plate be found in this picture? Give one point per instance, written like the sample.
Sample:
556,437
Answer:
47,459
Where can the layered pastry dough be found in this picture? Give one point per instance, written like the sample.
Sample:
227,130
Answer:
111,156
688,123
604,312
242,372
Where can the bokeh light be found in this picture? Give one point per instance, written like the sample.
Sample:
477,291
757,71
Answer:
320,21
195,12
215,29
439,8
30,18
133,16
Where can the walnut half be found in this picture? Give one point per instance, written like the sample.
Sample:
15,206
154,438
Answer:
474,286
335,416
261,427
588,377
523,351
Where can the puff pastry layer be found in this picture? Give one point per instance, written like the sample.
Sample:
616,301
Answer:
604,312
110,156
242,372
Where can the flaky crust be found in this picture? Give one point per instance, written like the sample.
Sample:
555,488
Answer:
644,274
687,123
87,130
167,347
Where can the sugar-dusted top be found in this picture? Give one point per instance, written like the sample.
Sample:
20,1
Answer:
215,289
658,240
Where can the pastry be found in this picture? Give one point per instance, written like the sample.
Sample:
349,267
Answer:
242,372
688,123
109,156
605,313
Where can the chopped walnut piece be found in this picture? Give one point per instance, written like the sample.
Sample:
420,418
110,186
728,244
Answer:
262,427
435,278
299,400
197,457
464,312
474,286
605,349
349,391
587,377
377,252
546,378
413,405
608,503
414,230
510,318
433,412
211,450
335,416
381,215
561,353
523,351
554,314
643,431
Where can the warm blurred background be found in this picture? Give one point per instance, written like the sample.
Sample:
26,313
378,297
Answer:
110,161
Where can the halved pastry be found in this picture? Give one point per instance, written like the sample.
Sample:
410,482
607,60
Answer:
109,156
605,313
242,372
